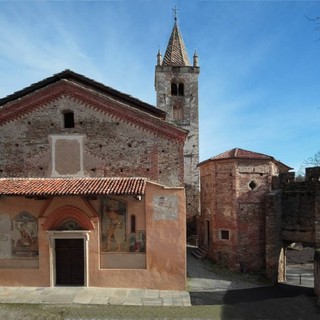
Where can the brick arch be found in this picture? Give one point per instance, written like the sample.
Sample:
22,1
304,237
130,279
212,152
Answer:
62,214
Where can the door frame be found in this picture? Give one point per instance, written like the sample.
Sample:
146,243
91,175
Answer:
78,234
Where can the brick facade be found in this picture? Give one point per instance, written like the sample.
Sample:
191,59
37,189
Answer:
232,222
117,140
252,209
92,189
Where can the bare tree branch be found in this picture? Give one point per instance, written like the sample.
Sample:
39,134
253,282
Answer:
313,161
315,19
312,19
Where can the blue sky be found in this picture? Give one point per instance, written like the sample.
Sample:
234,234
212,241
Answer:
259,60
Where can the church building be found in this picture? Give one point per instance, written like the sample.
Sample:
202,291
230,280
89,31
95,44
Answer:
92,180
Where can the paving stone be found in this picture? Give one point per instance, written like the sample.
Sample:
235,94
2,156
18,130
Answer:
166,294
152,303
167,302
120,293
59,298
152,294
83,299
186,302
133,302
136,293
99,296
100,300
116,300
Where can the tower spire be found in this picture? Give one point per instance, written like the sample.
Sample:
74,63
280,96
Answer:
176,54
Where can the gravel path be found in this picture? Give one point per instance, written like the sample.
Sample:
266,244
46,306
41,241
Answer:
203,276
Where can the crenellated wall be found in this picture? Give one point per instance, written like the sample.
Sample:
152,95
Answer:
293,215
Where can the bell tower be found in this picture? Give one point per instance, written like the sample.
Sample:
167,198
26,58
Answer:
176,85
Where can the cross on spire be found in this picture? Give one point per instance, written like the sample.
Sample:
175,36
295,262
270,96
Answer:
175,11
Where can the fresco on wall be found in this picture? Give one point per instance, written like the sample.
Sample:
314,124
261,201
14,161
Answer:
165,207
113,225
137,241
5,236
24,236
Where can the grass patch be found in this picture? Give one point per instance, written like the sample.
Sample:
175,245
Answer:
92,312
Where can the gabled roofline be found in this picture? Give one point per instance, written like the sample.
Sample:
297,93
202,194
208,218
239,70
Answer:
80,79
95,99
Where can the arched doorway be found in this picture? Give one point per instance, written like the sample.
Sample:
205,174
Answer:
69,230
296,264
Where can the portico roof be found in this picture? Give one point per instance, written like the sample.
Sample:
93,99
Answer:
72,186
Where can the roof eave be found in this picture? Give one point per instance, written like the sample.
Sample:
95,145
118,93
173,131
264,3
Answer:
73,76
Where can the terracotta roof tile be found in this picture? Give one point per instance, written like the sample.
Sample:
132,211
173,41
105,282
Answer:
238,153
176,53
72,186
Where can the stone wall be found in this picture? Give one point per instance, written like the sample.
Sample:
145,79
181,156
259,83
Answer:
111,147
274,244
293,215
187,118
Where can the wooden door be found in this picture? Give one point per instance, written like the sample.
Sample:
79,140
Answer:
69,262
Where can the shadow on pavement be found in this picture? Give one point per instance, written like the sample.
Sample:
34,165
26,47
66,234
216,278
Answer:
281,302
231,297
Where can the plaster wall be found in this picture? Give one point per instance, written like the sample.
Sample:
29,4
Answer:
163,266
165,249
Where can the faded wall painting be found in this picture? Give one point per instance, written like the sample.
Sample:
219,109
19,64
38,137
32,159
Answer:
113,225
137,241
24,236
165,207
5,236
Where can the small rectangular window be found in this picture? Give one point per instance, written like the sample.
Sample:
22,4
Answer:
224,235
68,120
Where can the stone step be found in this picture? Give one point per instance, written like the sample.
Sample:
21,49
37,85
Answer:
200,253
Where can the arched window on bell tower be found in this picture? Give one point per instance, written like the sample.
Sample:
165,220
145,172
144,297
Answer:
177,89
174,89
181,89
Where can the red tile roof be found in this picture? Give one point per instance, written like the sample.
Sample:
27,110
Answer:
176,53
72,186
238,153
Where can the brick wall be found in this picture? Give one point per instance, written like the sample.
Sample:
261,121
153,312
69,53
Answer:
111,147
233,200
